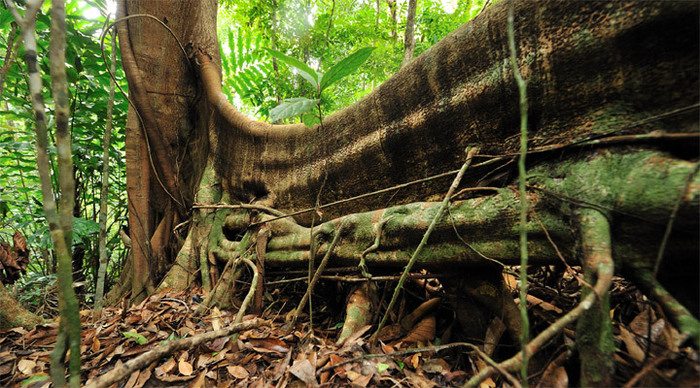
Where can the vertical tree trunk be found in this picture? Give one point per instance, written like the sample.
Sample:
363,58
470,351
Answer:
104,190
392,13
409,39
166,154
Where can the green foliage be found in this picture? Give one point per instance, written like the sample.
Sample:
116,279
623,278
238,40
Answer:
292,107
245,67
345,67
305,71
20,195
136,337
315,34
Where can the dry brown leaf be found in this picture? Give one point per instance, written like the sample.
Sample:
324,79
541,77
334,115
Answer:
131,383
268,345
554,378
26,366
237,371
304,371
414,360
199,382
494,332
634,350
95,345
436,365
423,331
144,376
166,367
217,344
184,367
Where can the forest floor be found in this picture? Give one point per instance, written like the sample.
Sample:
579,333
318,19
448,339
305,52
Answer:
275,355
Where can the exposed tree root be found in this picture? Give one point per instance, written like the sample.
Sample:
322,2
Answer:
600,258
678,313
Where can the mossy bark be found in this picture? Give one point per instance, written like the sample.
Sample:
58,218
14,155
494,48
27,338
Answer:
636,187
12,314
594,338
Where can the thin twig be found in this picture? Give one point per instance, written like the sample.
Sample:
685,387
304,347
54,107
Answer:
604,267
522,180
360,279
317,274
672,218
438,216
247,206
251,291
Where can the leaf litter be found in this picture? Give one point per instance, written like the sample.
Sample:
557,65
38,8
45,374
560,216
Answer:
650,351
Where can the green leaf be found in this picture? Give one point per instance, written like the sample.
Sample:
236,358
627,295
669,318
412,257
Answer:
34,379
382,367
311,119
291,107
136,337
345,67
305,71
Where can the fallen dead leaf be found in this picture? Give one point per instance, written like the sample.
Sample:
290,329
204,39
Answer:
237,371
634,350
166,367
184,367
95,345
26,366
304,371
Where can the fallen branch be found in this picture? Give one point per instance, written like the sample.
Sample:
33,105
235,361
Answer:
122,371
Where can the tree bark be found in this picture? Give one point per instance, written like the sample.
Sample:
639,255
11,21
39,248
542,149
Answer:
179,124
12,314
591,72
409,39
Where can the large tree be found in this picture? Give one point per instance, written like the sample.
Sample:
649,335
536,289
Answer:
613,91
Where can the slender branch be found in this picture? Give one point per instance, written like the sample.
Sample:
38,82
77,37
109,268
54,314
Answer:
12,46
522,180
59,226
251,292
262,208
120,372
317,274
438,216
104,190
672,219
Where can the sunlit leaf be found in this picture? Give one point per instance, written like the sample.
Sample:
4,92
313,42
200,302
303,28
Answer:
305,71
292,107
345,67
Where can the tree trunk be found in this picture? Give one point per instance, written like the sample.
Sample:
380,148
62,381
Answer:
627,69
409,39
175,122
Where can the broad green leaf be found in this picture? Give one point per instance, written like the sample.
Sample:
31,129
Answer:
305,71
345,67
291,107
381,367
310,119
136,337
38,378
